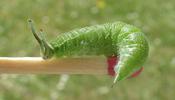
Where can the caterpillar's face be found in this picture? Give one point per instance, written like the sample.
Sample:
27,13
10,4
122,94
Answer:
47,51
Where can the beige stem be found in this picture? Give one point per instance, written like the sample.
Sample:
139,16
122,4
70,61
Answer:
36,65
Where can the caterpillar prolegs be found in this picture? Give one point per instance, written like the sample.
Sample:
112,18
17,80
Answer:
125,41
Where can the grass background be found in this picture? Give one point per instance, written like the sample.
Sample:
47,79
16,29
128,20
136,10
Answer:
155,17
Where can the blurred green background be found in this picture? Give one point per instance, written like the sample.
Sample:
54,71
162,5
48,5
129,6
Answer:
155,17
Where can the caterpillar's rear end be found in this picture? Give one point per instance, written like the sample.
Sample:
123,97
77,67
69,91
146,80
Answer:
120,39
132,49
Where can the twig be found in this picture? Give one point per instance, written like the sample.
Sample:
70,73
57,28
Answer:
36,65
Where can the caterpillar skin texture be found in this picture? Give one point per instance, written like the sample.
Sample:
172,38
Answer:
118,38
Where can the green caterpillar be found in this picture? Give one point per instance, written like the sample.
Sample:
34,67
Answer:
118,38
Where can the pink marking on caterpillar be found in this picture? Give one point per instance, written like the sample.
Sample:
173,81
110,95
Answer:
112,62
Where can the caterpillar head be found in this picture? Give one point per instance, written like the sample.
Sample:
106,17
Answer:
46,49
